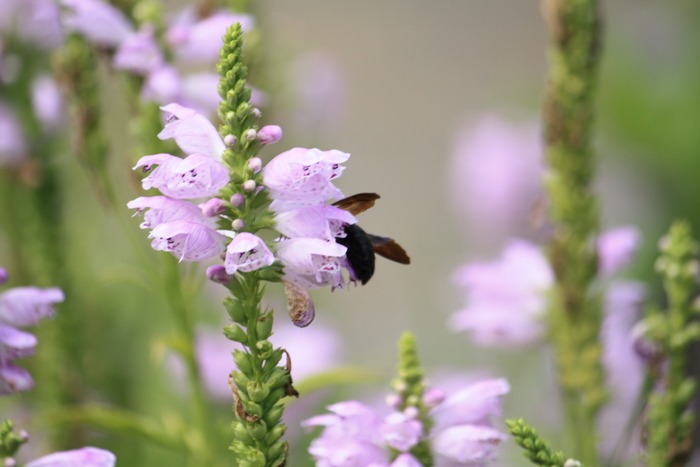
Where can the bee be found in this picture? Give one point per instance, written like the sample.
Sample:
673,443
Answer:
361,245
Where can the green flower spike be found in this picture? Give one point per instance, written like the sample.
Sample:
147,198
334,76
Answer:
537,449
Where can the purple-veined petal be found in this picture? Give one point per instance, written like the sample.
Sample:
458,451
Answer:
25,306
466,445
83,457
195,176
15,343
324,221
246,253
187,241
616,247
301,176
100,22
161,209
139,52
14,379
312,262
191,131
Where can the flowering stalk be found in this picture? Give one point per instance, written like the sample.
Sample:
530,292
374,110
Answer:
536,449
669,417
410,386
260,384
574,28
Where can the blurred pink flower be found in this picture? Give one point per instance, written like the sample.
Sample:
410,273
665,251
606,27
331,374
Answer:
47,102
495,174
616,248
83,457
13,146
506,298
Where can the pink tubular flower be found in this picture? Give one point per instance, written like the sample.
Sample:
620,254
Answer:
15,343
356,435
195,41
12,142
47,102
100,22
323,221
161,209
25,306
139,53
302,177
14,379
187,241
83,457
193,132
506,298
246,253
195,176
312,262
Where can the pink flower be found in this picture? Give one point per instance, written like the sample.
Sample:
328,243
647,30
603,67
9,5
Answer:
195,176
246,253
162,84
25,306
13,146
495,175
187,241
616,247
302,177
323,221
14,379
466,445
312,262
197,42
47,102
100,22
161,209
83,457
15,343
139,53
506,298
193,132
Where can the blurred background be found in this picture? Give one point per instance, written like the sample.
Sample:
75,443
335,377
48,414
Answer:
403,87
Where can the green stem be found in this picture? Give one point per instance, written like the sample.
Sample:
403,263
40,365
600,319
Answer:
574,28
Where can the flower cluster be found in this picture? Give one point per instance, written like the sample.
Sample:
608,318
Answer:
300,183
21,307
355,434
507,298
189,39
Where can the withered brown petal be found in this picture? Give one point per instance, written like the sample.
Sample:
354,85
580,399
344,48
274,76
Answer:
358,203
389,249
300,306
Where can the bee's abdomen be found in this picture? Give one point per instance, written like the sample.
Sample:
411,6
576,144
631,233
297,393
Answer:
360,254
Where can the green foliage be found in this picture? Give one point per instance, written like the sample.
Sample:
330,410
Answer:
10,442
669,418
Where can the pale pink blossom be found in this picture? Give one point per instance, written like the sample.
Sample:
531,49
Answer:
247,252
193,132
161,209
195,176
187,241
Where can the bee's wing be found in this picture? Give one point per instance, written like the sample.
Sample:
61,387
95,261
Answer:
358,203
389,249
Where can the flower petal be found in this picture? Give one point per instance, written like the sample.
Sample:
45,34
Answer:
83,457
193,132
25,306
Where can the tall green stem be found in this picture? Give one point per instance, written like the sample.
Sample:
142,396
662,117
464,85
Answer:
574,28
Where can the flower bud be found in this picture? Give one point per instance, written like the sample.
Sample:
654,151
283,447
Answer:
235,333
269,134
236,200
230,140
250,134
237,224
3,275
256,112
212,207
411,412
433,397
217,273
255,164
393,400
257,392
249,185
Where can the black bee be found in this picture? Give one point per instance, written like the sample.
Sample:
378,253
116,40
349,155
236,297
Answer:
362,245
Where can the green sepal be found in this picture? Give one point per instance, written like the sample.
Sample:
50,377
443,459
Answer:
257,430
243,362
275,434
263,326
258,392
236,333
